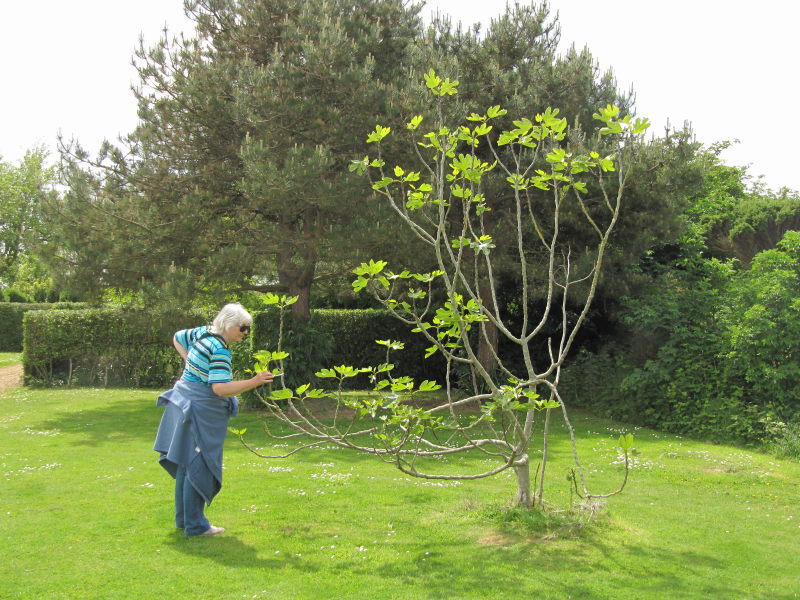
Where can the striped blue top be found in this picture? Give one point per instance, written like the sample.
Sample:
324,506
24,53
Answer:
208,360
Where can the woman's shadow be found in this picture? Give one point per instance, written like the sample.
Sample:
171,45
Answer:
225,549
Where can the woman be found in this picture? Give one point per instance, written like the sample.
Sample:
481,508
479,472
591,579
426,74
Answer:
193,428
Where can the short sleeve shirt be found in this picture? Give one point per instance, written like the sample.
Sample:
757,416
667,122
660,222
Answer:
208,357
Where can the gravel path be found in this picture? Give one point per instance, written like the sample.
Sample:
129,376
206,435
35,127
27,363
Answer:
10,376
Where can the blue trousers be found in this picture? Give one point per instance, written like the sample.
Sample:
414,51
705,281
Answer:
189,506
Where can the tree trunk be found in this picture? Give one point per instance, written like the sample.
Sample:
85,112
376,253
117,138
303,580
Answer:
545,440
523,471
488,338
301,308
297,280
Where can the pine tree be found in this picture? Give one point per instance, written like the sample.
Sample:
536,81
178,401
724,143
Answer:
237,175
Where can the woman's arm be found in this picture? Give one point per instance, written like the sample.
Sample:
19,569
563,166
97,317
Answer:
231,388
181,350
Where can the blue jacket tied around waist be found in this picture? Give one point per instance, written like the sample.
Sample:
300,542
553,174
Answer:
192,434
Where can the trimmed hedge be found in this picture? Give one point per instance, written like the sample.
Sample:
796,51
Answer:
103,346
11,314
345,337
133,348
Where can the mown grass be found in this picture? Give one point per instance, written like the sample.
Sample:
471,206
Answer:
86,512
10,358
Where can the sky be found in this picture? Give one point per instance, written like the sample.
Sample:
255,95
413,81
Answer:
728,67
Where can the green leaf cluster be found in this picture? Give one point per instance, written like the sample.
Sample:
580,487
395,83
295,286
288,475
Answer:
616,125
439,86
516,398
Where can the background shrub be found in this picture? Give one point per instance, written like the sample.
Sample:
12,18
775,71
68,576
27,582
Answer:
785,440
713,352
116,346
11,314
14,295
593,380
104,346
345,337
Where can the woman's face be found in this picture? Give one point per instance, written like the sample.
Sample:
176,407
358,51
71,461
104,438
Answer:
236,333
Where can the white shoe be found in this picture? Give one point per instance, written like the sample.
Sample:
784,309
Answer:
213,530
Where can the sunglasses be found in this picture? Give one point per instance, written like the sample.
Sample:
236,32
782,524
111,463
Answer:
244,328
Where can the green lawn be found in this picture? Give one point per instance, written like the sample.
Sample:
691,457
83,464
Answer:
86,512
10,358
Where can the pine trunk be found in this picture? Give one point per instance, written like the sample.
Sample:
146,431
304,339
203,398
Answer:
296,279
301,308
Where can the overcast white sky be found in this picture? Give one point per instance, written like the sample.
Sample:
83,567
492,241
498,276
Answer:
727,66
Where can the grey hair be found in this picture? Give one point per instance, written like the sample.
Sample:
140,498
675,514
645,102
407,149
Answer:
230,314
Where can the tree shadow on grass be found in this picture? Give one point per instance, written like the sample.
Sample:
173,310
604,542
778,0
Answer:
119,421
543,570
225,549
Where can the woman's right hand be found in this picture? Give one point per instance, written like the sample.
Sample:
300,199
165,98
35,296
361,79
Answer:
231,388
262,377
